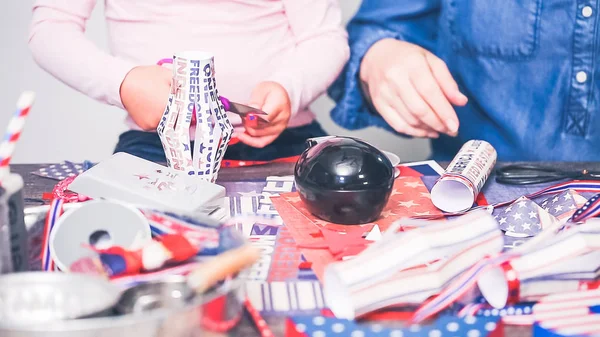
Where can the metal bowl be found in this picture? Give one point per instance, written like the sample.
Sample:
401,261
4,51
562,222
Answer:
213,314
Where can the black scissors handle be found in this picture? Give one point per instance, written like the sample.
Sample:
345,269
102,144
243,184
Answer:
533,174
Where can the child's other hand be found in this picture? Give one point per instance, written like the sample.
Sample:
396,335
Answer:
144,93
273,99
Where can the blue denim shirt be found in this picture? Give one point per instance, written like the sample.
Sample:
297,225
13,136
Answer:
529,68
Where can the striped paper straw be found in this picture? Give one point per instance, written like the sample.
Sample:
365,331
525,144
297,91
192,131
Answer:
14,129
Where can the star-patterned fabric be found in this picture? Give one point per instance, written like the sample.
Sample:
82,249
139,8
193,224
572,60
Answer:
563,205
60,171
523,218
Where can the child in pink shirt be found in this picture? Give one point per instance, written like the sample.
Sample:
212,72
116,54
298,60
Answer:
277,55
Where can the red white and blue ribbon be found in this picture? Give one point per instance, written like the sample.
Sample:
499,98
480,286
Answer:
589,210
55,211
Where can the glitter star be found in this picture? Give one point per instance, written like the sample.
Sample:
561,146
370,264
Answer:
407,204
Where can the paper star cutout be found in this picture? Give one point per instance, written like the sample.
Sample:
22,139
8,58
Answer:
532,214
142,176
413,184
407,204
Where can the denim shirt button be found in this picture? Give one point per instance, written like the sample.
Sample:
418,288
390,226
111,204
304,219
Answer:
586,11
581,77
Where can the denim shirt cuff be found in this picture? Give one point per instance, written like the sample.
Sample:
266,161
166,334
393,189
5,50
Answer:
352,110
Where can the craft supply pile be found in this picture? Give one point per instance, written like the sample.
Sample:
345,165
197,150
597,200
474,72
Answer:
353,243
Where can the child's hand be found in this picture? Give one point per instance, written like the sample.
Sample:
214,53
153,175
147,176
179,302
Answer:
273,99
144,93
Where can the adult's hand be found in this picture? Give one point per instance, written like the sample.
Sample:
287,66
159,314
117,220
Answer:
144,94
411,88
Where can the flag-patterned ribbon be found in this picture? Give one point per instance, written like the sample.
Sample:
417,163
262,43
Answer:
576,185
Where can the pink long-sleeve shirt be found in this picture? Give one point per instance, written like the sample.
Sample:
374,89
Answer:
300,44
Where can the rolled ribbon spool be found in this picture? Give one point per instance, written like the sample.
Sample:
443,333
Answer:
457,189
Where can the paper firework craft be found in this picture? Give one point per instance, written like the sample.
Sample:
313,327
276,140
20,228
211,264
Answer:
194,93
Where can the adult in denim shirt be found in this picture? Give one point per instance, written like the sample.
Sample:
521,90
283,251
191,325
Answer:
528,67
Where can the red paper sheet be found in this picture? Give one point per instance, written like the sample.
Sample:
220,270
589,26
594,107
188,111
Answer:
409,198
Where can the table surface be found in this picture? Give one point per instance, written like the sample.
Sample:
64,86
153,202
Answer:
35,186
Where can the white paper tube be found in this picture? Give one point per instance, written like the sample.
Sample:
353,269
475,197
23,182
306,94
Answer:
458,187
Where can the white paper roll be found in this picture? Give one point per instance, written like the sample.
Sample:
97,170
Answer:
98,223
458,187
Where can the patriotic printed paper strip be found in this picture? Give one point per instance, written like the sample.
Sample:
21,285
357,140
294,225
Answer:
55,211
320,326
568,314
382,276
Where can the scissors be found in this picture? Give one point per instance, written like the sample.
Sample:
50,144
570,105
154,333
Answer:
522,174
244,111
